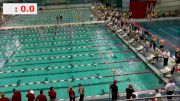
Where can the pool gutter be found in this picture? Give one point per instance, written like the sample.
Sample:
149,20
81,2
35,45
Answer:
159,19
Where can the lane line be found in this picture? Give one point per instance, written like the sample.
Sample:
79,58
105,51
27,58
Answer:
71,56
54,49
71,80
64,67
72,46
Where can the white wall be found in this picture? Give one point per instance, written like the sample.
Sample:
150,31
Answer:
167,5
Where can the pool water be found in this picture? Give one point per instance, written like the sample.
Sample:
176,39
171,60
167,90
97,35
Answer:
168,30
71,53
39,58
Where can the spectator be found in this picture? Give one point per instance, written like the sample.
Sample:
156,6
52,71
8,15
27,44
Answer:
173,70
146,46
71,94
161,41
129,91
170,87
52,94
30,95
16,96
153,44
156,55
157,95
3,97
114,91
41,96
81,92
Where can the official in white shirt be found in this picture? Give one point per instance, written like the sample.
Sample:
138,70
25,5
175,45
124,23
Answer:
170,87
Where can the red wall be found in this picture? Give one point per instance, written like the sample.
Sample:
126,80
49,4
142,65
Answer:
139,8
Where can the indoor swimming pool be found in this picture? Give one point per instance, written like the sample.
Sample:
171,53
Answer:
39,58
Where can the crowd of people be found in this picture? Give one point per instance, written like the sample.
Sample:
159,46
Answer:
143,41
118,22
130,93
155,15
42,97
174,13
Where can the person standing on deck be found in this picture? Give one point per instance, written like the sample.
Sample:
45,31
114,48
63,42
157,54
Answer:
161,44
114,91
170,87
30,95
71,94
153,42
156,55
166,57
41,96
81,92
3,97
173,70
52,94
16,96
129,91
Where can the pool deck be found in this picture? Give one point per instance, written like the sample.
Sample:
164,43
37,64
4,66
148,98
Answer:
159,19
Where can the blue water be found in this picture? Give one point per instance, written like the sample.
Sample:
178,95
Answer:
168,30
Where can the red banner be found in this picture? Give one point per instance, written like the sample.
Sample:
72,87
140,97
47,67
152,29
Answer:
139,9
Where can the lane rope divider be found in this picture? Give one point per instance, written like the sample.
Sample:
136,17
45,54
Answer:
71,80
70,56
69,66
74,47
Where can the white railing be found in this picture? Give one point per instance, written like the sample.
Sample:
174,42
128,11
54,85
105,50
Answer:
164,98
